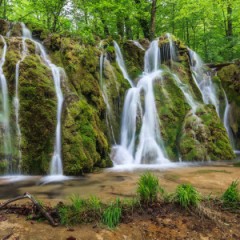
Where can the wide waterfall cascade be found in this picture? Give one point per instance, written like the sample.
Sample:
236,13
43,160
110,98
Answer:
4,114
56,167
203,80
102,62
140,114
121,63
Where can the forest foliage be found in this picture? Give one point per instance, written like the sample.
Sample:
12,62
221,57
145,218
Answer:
210,27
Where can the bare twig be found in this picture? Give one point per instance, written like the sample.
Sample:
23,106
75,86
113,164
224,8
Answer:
36,204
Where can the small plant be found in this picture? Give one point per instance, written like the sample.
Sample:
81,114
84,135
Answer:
94,203
63,213
112,214
148,187
186,195
232,195
77,202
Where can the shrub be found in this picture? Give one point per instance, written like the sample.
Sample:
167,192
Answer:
112,214
148,188
232,195
186,195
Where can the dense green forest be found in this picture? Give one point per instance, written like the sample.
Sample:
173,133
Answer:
211,27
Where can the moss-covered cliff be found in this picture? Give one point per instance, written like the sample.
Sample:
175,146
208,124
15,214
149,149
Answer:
230,78
91,116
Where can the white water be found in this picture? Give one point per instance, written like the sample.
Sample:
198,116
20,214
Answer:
226,121
4,115
56,168
25,34
187,93
152,58
140,110
203,81
121,63
169,50
102,62
137,44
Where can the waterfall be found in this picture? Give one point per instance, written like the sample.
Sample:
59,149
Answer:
121,63
56,162
187,93
137,44
102,62
152,58
203,80
26,34
145,147
4,114
172,49
226,121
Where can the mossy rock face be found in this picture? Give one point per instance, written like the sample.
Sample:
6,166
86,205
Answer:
4,27
86,141
85,145
204,137
38,106
171,108
134,57
230,79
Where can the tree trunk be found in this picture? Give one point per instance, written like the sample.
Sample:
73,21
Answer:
153,20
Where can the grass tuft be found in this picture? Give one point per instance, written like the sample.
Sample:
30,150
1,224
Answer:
112,214
148,187
231,197
186,195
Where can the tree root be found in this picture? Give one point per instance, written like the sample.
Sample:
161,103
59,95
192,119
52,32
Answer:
36,204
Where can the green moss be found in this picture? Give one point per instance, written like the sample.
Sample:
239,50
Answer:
205,138
172,108
37,115
85,146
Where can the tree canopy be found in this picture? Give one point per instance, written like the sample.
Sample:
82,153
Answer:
211,27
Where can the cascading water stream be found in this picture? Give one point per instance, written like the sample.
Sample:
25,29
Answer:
137,44
152,58
226,121
4,117
203,80
140,108
121,63
56,162
26,34
105,96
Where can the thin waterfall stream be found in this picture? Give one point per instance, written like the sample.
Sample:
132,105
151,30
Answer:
56,167
4,114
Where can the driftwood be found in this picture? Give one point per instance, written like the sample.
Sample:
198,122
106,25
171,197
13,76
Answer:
36,204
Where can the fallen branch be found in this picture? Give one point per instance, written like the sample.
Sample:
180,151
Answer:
36,204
